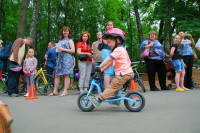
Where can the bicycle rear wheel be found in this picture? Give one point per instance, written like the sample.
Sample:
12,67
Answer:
43,88
4,78
22,84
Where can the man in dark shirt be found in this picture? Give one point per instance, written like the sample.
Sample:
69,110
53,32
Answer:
50,58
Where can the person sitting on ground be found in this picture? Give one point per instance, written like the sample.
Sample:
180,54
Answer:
50,58
119,58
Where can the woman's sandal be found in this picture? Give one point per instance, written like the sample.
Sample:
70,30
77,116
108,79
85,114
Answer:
63,94
52,94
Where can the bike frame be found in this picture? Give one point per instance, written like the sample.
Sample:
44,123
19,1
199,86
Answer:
43,76
95,84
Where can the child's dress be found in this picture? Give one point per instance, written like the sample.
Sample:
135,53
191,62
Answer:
29,66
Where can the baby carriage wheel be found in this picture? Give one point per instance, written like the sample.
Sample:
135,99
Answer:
169,86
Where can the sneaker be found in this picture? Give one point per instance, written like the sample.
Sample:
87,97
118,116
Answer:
81,90
115,103
180,89
94,101
26,95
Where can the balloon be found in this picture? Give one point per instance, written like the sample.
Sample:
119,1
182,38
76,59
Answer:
77,75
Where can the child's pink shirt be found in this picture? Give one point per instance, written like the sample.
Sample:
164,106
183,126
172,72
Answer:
121,62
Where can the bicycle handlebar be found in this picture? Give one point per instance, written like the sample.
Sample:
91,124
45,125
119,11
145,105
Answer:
138,62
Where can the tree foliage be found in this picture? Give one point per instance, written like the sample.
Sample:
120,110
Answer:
166,17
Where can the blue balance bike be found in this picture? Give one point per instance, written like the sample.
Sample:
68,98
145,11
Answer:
134,101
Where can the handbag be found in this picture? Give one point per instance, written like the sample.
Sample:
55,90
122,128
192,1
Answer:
83,57
145,53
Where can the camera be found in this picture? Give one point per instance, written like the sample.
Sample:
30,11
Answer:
100,46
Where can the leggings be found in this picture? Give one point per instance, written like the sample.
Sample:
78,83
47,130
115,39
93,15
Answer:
29,80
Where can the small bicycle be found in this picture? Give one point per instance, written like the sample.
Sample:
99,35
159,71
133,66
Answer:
133,101
136,77
44,83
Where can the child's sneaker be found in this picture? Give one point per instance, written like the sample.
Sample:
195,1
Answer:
94,101
26,95
115,103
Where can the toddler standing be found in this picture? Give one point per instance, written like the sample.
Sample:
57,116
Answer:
177,61
29,68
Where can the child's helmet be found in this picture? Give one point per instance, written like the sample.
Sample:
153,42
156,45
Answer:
15,67
115,32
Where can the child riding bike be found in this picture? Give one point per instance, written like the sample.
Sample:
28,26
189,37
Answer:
120,59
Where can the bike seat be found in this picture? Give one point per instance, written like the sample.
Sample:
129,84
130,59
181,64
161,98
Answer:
113,97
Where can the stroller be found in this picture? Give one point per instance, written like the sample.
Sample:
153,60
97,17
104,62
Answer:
171,76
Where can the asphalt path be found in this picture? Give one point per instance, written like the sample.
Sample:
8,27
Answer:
164,112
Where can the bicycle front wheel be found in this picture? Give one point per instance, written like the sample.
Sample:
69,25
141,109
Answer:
43,88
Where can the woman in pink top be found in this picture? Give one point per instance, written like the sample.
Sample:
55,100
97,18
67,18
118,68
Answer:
29,68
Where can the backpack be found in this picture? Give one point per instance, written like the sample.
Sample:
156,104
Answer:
5,52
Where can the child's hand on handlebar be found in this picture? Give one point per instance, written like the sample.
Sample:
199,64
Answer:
97,69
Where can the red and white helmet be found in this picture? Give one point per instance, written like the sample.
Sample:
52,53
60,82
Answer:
115,32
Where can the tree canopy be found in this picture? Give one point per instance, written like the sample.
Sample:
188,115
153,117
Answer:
45,18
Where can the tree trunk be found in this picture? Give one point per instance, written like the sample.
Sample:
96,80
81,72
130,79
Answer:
4,23
131,34
199,6
72,21
66,13
1,14
49,20
167,28
22,19
160,38
34,22
40,49
139,27
57,21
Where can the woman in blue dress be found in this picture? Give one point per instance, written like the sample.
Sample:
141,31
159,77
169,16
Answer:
64,65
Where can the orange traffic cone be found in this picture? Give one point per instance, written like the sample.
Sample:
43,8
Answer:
31,94
133,87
